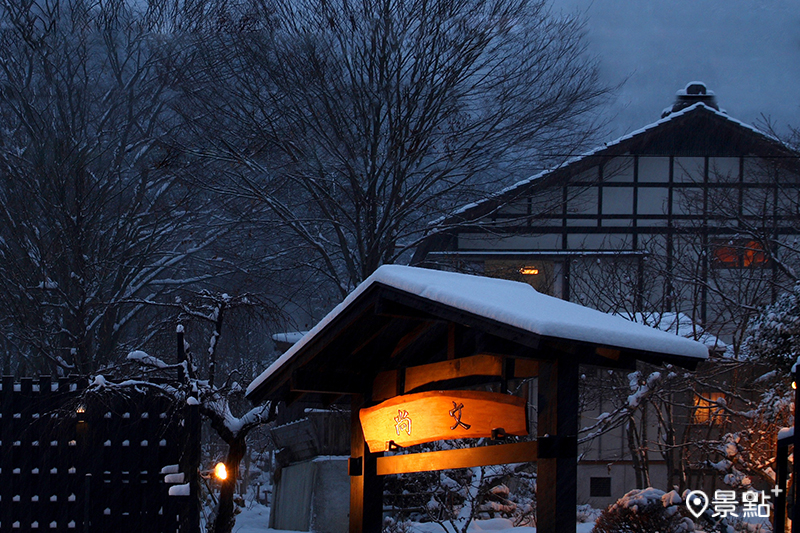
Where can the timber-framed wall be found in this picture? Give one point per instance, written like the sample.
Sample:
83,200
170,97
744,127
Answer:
697,188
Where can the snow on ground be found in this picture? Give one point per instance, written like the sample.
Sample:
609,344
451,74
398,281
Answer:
494,524
255,518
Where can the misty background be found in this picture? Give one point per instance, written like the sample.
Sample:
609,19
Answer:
746,51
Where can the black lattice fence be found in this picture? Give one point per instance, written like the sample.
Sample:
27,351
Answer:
72,463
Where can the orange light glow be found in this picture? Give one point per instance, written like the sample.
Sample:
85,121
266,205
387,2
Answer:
439,415
794,385
529,271
81,409
220,472
707,407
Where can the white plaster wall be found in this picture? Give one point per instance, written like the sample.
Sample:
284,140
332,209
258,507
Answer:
313,496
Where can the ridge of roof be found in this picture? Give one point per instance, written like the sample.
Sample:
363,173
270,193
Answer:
595,151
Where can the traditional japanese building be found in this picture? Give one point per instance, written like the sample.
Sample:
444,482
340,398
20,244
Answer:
688,224
665,219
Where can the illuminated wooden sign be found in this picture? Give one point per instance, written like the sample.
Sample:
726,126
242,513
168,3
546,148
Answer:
439,415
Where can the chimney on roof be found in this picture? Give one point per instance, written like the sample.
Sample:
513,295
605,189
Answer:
694,92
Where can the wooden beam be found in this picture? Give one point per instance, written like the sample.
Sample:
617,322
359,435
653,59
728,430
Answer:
429,416
410,337
525,368
386,386
375,335
608,353
451,341
391,308
395,302
326,382
518,452
476,365
396,382
556,498
366,487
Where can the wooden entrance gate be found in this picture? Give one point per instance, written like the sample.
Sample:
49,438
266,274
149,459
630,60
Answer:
407,330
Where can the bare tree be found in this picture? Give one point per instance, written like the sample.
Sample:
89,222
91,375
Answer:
718,423
354,124
94,220
206,380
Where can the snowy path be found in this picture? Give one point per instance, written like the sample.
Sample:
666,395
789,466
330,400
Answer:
256,518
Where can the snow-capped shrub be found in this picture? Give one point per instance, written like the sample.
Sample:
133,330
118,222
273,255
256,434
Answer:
774,335
645,511
586,513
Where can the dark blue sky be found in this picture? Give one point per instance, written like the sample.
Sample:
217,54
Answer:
746,51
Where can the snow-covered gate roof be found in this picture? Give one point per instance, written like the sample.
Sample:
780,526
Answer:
404,316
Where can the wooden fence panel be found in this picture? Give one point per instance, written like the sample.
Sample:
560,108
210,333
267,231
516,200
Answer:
92,466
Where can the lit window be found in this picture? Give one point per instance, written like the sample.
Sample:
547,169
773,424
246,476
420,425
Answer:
706,407
528,271
739,254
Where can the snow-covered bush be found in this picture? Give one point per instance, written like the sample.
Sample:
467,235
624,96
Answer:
654,511
453,499
774,335
645,511
586,513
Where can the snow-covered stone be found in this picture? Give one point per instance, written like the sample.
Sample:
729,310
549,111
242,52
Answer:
180,490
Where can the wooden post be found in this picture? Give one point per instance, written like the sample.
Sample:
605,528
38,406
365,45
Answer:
557,429
192,461
87,503
782,460
366,487
795,510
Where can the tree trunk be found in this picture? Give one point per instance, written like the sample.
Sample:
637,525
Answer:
634,451
225,513
644,451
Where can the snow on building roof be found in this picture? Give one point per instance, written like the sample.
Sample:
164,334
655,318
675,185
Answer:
680,324
597,151
288,337
512,303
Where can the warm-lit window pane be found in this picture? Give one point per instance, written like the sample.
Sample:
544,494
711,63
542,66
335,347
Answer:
754,254
706,408
738,254
727,256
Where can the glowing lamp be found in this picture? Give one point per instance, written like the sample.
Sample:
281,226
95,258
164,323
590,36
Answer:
529,271
794,385
220,472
